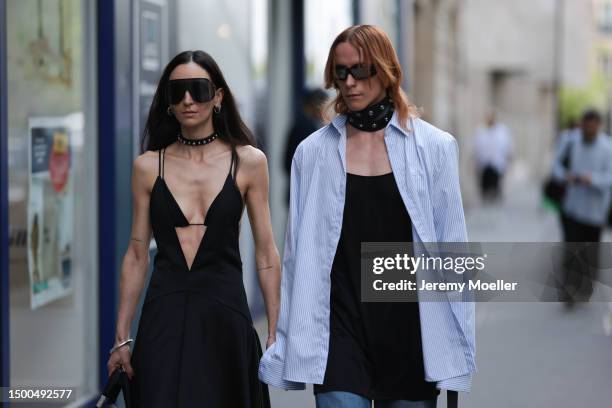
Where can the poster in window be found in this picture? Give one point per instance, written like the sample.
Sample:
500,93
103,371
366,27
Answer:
50,210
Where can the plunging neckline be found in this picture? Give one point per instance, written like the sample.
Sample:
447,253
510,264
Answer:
186,222
184,218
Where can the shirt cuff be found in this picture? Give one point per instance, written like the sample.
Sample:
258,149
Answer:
462,383
271,372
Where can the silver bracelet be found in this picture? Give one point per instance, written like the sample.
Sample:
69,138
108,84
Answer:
123,343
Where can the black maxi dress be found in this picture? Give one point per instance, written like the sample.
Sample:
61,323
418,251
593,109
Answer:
196,345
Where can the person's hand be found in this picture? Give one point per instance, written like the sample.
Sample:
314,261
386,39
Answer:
271,340
585,179
120,357
570,178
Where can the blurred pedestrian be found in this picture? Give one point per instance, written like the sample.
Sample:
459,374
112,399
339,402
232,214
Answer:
309,119
584,162
196,344
493,151
376,173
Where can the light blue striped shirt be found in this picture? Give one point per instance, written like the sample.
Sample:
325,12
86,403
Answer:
424,161
586,204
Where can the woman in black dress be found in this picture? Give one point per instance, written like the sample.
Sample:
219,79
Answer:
196,345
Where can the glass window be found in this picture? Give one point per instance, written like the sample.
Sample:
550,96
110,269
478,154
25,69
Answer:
52,195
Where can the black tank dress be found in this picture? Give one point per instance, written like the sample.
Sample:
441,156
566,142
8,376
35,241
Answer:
375,349
196,345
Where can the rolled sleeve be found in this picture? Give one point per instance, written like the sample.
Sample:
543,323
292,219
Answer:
271,369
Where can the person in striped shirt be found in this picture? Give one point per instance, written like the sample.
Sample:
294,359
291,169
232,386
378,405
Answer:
376,172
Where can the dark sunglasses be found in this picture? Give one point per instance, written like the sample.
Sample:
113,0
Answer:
358,71
201,89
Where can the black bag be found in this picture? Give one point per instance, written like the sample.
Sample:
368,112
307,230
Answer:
117,382
554,190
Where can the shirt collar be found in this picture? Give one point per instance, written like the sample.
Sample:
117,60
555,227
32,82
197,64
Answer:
339,122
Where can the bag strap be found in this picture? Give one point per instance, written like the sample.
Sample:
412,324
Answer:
452,399
565,162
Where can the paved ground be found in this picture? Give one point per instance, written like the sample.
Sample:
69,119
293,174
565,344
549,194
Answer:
528,354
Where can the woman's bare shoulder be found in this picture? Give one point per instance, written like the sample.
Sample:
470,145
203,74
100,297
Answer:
251,157
253,167
146,167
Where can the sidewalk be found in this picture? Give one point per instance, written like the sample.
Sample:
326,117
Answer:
535,355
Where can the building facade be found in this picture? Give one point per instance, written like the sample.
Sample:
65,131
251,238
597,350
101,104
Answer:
474,57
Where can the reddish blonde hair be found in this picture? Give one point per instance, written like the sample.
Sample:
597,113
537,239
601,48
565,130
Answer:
375,48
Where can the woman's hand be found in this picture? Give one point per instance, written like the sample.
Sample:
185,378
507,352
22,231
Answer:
271,340
120,357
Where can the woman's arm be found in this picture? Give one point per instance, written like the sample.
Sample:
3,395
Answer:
255,167
136,259
272,363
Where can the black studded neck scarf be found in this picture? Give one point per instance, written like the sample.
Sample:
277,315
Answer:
372,118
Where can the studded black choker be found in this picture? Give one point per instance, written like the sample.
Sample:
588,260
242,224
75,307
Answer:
196,142
372,118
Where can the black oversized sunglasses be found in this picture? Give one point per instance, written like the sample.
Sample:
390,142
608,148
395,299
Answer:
358,71
201,89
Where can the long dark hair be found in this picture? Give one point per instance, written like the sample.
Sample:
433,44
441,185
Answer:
161,129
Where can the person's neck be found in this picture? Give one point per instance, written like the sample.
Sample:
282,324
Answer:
198,153
198,132
372,119
374,101
357,134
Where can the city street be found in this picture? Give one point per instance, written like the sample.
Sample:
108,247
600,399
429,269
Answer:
535,355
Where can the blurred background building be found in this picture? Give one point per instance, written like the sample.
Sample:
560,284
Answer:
77,78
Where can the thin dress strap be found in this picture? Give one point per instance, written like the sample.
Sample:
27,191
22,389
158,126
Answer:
233,163
161,162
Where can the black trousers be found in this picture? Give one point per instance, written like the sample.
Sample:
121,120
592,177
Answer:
489,182
580,259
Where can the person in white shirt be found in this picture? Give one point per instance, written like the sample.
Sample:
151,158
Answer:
493,150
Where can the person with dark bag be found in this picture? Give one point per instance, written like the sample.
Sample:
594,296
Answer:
196,344
587,174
